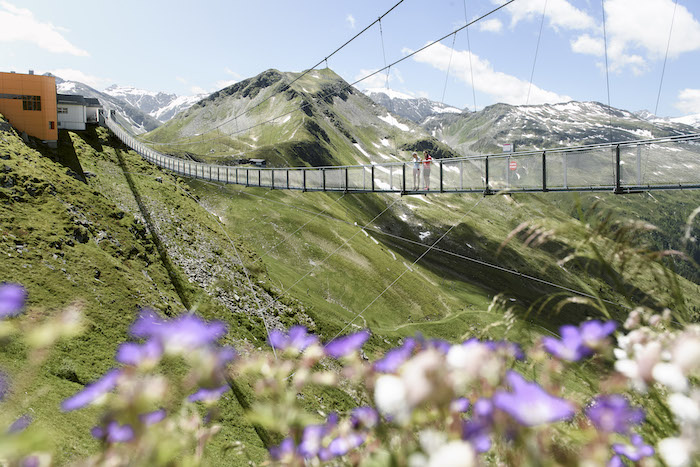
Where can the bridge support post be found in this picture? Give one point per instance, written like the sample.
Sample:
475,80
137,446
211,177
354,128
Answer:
372,178
618,175
287,178
487,188
544,170
303,180
323,174
273,178
442,190
247,177
346,179
259,177
403,179
639,165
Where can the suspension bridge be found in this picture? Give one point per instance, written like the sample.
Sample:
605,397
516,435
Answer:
669,163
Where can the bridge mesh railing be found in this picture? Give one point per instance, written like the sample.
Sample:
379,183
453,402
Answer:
663,163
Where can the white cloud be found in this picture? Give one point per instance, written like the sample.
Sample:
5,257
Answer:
224,83
198,90
585,44
638,32
379,80
689,101
351,21
491,25
559,13
502,87
20,25
181,80
70,74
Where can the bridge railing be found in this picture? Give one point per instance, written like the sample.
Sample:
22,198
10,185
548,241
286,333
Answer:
662,163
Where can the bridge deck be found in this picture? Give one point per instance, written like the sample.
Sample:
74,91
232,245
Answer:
656,164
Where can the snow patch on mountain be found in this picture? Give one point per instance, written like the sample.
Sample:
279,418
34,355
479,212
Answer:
159,105
392,121
409,107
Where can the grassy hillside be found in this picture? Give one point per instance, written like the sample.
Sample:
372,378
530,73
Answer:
94,223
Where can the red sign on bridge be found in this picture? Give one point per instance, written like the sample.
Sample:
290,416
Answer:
513,165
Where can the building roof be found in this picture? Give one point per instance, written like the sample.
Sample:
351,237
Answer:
70,99
93,102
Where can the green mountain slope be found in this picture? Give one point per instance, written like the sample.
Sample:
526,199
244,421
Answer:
317,121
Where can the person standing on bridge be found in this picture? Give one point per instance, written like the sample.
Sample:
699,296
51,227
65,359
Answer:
427,161
416,171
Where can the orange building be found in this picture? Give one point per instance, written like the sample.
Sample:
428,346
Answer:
29,103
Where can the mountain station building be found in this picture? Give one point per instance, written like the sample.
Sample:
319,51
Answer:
30,103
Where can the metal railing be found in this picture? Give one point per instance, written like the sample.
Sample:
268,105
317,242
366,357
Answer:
624,167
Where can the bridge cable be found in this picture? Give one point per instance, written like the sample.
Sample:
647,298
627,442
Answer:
447,252
349,85
668,45
537,49
449,64
307,71
288,289
408,268
403,239
607,82
471,68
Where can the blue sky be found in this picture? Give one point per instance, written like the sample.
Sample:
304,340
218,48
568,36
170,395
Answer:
192,47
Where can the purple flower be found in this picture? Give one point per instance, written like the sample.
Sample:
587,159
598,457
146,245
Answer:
634,452
343,444
180,335
615,461
509,348
613,414
147,324
130,353
12,298
92,391
114,433
394,358
529,404
297,339
594,332
571,346
460,405
31,461
310,444
285,448
364,417
20,424
152,417
477,430
208,395
440,345
345,345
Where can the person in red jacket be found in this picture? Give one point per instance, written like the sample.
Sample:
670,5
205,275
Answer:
427,162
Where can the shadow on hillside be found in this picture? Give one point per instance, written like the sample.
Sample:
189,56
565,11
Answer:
65,155
162,251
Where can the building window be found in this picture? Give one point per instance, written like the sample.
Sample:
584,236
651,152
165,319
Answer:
31,102
52,125
63,110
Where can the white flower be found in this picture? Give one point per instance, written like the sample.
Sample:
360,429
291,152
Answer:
686,353
675,452
685,408
671,376
390,397
431,440
453,454
419,376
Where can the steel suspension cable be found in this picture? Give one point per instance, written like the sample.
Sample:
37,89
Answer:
307,71
537,49
349,85
449,64
668,45
408,268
